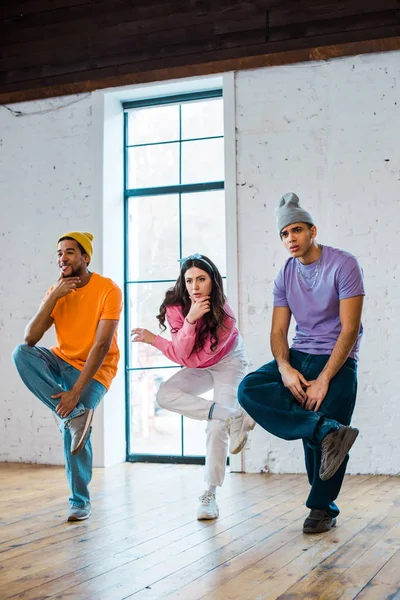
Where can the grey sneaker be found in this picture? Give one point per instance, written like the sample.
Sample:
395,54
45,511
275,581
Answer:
79,514
334,448
318,521
238,428
208,508
79,428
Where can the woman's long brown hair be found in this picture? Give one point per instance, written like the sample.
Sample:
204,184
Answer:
178,296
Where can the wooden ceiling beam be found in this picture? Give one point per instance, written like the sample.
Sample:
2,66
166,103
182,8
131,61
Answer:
37,91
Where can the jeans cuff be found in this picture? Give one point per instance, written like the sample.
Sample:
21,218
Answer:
77,412
324,427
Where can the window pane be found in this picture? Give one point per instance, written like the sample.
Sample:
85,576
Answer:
153,237
144,301
203,160
153,430
155,124
202,119
203,226
153,166
156,227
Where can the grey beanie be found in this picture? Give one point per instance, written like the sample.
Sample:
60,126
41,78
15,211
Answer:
289,211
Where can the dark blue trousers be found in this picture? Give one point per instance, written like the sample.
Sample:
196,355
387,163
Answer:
265,398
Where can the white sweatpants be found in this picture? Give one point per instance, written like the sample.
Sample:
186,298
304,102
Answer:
180,394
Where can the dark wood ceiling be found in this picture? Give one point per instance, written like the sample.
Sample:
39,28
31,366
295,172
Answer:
52,47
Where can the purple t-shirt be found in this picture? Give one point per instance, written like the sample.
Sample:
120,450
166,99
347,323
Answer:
317,311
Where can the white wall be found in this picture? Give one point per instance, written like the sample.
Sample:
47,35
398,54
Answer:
50,182
46,183
323,130
329,132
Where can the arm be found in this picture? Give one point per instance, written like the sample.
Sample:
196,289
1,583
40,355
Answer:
182,343
176,350
184,337
173,351
291,378
350,318
104,335
183,332
42,321
280,326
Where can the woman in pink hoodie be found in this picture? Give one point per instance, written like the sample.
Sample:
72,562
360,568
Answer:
207,343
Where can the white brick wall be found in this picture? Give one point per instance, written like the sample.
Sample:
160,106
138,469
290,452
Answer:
329,132
46,181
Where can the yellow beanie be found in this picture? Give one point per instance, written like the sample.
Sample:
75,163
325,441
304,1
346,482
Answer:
84,238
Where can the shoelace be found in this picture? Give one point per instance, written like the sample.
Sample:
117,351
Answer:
205,499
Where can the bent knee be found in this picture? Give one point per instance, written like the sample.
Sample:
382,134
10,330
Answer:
166,395
18,351
243,388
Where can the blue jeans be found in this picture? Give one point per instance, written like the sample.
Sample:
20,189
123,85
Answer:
45,374
263,395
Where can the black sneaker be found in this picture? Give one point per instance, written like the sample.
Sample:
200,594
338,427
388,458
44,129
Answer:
318,521
334,448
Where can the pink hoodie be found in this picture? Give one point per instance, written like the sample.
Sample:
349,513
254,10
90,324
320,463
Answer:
179,350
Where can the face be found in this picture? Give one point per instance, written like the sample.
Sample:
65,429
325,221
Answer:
70,259
298,238
198,283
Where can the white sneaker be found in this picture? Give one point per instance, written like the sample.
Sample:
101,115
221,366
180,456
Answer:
208,508
239,428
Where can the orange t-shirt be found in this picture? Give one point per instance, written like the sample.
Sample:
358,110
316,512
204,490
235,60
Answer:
76,318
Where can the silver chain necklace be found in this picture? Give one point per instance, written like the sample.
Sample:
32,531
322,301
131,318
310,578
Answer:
314,277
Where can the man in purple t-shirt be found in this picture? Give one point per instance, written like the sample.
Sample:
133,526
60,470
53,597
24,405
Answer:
308,392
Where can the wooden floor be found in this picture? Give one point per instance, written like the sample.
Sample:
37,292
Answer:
144,542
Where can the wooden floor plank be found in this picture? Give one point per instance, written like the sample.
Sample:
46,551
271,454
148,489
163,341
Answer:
183,568
146,540
260,559
385,584
337,576
162,550
261,573
117,525
141,545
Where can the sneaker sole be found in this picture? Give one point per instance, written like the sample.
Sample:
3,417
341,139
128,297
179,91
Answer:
73,519
244,440
347,443
311,530
85,433
204,517
241,445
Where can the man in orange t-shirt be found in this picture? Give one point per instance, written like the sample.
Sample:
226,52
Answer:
72,377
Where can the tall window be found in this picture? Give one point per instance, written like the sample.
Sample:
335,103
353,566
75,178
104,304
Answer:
174,207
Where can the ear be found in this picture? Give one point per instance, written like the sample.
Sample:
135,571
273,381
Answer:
313,232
